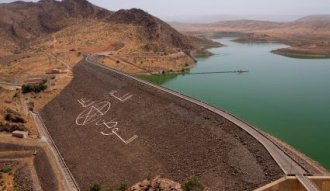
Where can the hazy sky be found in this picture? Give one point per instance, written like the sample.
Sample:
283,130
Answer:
170,8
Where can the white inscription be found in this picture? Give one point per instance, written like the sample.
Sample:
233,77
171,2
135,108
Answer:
97,110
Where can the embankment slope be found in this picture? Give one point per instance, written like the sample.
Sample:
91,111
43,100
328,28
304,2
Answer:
176,138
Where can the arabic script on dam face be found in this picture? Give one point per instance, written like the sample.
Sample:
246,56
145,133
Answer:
95,111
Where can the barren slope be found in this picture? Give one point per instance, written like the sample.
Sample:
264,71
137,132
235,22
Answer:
176,139
24,21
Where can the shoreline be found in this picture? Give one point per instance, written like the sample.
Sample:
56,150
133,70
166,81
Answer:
305,51
287,52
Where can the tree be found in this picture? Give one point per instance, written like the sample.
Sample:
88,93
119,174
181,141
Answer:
26,88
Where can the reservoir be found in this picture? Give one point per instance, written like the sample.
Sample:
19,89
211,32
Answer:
286,97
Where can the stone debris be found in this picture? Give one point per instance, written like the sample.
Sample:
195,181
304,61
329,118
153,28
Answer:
156,184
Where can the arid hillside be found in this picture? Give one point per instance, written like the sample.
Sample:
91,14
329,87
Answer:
45,39
24,21
308,36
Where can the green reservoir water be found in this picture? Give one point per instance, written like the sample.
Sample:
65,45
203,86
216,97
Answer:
286,97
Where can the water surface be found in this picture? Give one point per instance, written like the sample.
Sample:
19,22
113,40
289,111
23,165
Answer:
286,97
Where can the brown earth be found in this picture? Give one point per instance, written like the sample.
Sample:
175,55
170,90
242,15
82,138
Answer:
308,36
33,65
176,139
71,28
48,17
20,158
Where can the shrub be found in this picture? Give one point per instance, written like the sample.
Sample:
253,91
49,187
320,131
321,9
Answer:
95,187
6,169
39,88
8,117
193,185
26,88
122,187
11,128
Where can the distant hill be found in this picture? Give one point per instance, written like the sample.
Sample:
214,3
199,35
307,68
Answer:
308,35
314,18
246,24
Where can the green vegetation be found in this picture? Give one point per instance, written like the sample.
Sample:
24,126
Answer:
26,88
97,187
122,187
5,170
193,185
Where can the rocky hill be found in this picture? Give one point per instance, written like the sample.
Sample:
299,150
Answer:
155,31
22,21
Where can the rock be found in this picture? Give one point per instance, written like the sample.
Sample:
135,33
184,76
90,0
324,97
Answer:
157,184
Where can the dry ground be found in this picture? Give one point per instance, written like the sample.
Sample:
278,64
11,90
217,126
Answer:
27,170
33,65
144,64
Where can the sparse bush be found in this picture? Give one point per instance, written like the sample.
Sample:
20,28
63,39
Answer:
193,185
11,128
95,187
8,117
6,169
122,187
26,88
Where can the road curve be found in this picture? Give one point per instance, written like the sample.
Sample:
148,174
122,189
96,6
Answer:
285,162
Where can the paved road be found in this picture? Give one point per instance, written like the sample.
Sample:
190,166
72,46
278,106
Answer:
287,164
